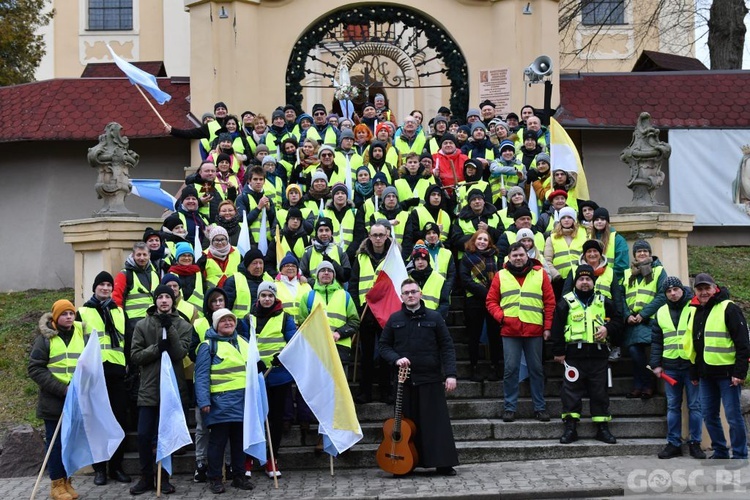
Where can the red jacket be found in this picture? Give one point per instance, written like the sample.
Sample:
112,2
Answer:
514,327
443,163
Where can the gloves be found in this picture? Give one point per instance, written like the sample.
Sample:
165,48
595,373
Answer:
411,202
532,175
163,345
275,361
262,367
232,193
165,320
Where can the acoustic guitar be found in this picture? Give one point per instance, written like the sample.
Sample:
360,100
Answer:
397,453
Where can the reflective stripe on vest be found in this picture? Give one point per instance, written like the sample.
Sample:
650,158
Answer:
719,347
431,291
565,256
64,358
242,299
583,322
139,298
270,338
229,373
639,295
196,298
214,274
316,257
335,310
442,262
673,337
345,227
462,195
289,299
366,275
92,320
522,302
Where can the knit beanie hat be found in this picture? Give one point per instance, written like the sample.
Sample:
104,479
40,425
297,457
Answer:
339,186
672,282
149,232
318,175
223,157
188,191
473,112
172,221
475,193
513,191
325,265
289,258
543,157
220,104
601,213
59,307
439,118
268,159
448,137
250,256
420,251
524,233
169,278
477,125
506,144
641,245
163,289
568,212
431,226
318,107
584,270
221,313
182,248
326,147
379,177
102,277
324,222
589,244
293,187
390,190
346,134
262,148
557,192
267,286
224,137
294,212
277,113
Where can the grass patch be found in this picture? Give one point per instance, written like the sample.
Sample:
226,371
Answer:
730,267
19,317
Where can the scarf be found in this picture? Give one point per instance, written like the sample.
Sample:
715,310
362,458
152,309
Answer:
640,269
484,266
292,285
231,225
181,270
519,271
365,190
104,307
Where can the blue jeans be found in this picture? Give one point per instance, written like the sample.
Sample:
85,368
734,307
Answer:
55,465
714,392
674,408
532,348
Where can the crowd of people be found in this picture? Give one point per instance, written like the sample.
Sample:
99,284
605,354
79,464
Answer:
475,205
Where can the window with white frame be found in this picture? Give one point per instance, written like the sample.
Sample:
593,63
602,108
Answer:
602,12
110,15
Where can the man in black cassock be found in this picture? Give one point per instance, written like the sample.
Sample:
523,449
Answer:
419,338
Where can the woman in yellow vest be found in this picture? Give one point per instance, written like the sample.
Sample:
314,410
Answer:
291,286
220,371
563,248
615,248
435,289
274,328
642,289
53,359
220,260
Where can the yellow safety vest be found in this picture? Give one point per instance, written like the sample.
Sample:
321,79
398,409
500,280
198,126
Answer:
290,301
274,190
603,282
441,262
271,338
417,146
140,297
345,228
640,294
355,161
336,309
187,309
330,135
522,302
64,358
462,194
196,298
673,337
443,218
406,193
398,230
316,258
255,226
508,220
92,320
214,272
431,291
229,374
496,183
201,326
366,275
298,250
242,298
719,348
565,256
583,322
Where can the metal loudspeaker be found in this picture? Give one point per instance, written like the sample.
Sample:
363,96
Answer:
537,70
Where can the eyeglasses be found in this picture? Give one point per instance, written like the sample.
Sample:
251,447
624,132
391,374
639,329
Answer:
409,292
219,240
319,113
326,155
378,235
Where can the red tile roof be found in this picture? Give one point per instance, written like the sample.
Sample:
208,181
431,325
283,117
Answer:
80,108
110,70
679,99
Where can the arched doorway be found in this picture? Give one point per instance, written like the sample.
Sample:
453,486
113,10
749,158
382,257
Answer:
386,46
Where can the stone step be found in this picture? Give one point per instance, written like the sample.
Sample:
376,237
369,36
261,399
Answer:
363,455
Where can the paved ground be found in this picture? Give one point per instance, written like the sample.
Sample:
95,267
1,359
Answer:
633,476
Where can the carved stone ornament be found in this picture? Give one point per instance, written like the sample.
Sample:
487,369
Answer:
114,161
644,156
741,184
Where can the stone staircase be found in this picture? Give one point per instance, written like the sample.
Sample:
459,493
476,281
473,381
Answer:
481,436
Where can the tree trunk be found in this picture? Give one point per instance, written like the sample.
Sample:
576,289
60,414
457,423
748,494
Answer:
726,33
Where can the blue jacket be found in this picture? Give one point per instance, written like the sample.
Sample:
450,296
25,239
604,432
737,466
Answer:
225,406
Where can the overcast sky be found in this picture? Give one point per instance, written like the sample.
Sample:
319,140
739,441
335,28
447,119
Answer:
701,35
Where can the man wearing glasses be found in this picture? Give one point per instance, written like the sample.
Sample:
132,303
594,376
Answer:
419,338
321,130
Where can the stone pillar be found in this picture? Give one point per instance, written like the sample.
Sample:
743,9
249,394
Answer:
101,244
666,232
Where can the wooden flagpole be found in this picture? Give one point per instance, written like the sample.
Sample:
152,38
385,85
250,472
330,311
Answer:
46,457
152,106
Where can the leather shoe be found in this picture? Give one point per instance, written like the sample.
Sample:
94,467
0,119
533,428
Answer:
100,478
446,471
647,394
119,476
634,394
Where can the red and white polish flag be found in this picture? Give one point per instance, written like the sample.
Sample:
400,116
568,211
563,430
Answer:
384,298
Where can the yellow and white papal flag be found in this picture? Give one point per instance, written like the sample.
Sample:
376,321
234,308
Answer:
565,155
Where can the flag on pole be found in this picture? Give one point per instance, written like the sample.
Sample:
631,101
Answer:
151,190
312,359
279,248
533,203
263,236
384,298
565,155
197,247
256,404
243,242
139,77
90,432
173,429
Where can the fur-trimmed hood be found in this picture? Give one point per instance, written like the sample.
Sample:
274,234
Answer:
45,325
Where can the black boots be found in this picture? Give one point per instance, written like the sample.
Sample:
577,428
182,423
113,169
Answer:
603,434
570,434
475,376
144,484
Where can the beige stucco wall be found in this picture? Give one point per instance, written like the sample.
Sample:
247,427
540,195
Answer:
46,183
